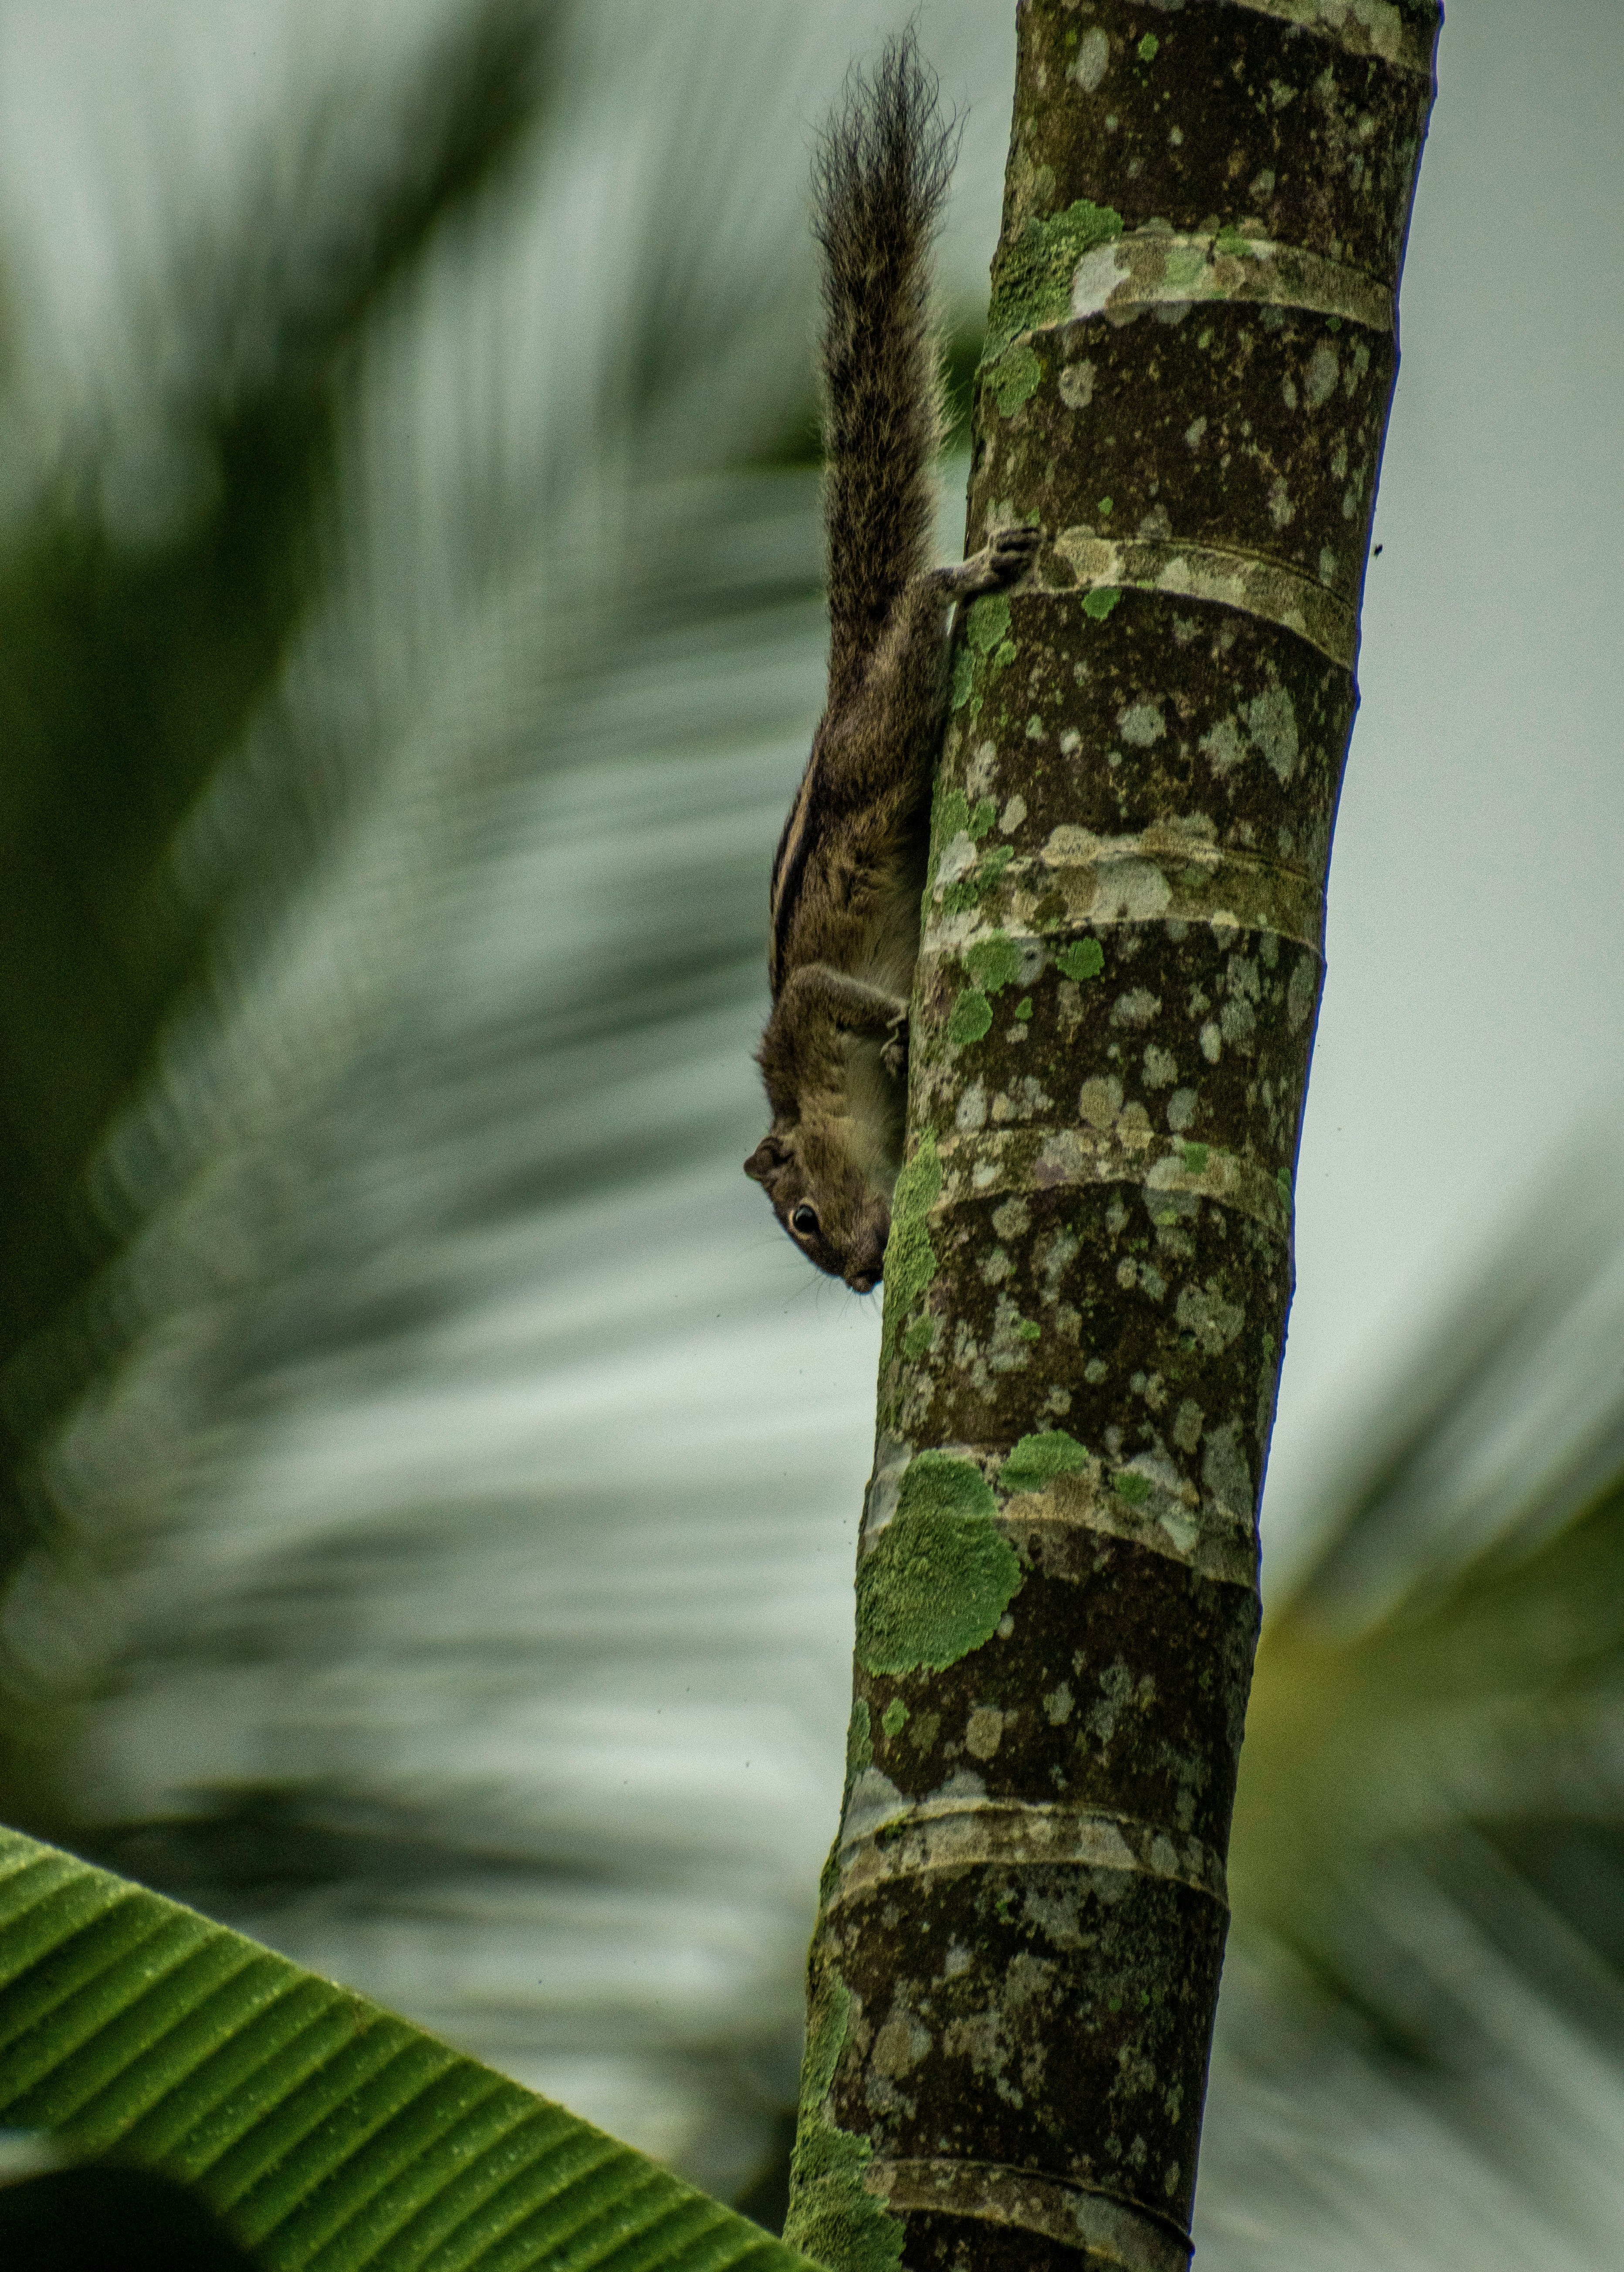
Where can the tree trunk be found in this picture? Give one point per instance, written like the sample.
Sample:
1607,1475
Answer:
1190,358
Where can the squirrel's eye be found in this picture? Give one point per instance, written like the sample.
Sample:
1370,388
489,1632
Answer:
804,1221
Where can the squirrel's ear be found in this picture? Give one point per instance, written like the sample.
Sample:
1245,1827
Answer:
764,1163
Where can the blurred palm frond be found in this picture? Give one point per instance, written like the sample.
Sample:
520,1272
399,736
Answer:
1428,1859
153,580
432,1436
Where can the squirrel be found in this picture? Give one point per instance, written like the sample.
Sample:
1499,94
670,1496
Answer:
849,871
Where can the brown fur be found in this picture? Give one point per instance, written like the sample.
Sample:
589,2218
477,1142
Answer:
850,863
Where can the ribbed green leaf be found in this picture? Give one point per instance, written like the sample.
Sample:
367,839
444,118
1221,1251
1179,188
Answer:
326,2133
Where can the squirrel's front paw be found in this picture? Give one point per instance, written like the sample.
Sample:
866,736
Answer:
893,1056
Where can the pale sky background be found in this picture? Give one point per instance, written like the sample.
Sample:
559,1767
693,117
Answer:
1469,1033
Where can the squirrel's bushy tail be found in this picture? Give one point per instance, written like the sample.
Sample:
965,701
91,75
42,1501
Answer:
880,177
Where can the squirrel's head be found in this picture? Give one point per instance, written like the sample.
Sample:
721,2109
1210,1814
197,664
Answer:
835,1214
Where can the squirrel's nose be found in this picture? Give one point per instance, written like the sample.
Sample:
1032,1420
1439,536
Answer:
861,1285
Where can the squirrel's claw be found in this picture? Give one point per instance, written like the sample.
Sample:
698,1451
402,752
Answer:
893,1056
1012,552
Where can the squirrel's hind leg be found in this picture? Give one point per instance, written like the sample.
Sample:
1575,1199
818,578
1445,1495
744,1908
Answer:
1002,560
885,734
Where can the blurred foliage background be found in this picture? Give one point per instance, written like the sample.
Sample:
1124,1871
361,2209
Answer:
430,1476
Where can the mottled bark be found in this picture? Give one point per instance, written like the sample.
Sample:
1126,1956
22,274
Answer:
1190,358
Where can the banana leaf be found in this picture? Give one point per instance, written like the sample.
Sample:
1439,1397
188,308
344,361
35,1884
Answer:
319,2129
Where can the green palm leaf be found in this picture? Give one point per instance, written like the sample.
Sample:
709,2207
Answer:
323,2130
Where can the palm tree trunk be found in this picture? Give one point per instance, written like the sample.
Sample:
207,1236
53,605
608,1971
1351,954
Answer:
1190,359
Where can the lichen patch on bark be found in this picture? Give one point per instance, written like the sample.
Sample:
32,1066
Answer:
935,1583
836,2217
